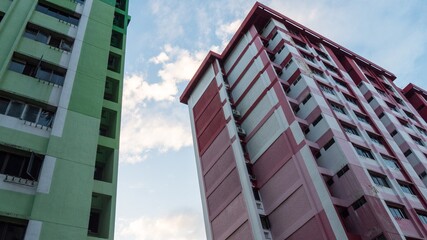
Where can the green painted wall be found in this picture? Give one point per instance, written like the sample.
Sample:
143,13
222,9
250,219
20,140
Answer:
65,209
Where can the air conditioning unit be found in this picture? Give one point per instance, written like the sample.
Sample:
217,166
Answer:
241,131
236,113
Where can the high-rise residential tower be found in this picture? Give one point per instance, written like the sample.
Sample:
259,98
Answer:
61,72
297,137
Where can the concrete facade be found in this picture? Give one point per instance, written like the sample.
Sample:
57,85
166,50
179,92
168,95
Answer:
61,72
297,137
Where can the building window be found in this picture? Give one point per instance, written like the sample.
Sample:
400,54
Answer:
121,4
61,15
116,39
331,68
400,101
47,37
27,112
388,87
38,69
317,72
397,212
300,44
288,64
390,162
422,217
417,141
114,62
23,165
329,144
363,152
422,131
410,115
350,129
342,171
341,83
265,223
308,57
337,108
11,229
362,118
380,237
317,120
351,100
376,139
406,188
405,123
306,99
381,92
392,107
95,216
322,54
359,202
379,180
119,20
327,89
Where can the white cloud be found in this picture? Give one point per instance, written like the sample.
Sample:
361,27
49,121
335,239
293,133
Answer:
226,30
161,58
147,127
178,226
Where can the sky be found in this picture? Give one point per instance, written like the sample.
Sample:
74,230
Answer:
158,192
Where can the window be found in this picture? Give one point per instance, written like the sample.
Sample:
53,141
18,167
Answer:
331,68
288,64
342,171
380,237
390,162
422,131
119,20
264,222
308,57
417,141
114,62
38,69
400,101
379,180
12,229
363,152
392,107
371,79
388,87
358,203
329,144
306,99
121,4
341,83
407,153
317,72
317,120
351,100
405,123
350,129
322,54
422,217
362,118
397,212
406,188
410,115
327,89
381,92
300,44
49,38
56,13
24,165
376,139
94,219
337,108
27,112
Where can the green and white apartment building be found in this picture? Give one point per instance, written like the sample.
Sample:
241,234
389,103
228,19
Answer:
61,79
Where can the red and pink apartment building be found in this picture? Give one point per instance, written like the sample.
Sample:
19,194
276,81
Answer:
297,137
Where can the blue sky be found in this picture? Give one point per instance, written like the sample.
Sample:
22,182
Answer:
158,193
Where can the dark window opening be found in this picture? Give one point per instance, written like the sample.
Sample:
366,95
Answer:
38,69
11,230
116,39
94,219
342,171
265,222
23,165
379,180
111,91
121,4
397,212
59,14
360,202
364,152
114,62
47,37
119,20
